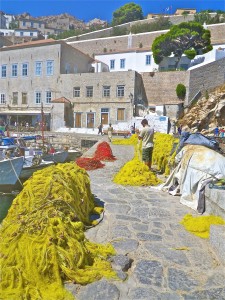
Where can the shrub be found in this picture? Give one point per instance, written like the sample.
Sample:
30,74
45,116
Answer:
181,91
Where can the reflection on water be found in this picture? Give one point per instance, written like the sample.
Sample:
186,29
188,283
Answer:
5,203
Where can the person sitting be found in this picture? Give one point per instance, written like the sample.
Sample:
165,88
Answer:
51,150
216,131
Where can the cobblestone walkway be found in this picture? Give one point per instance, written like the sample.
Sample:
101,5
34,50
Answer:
143,225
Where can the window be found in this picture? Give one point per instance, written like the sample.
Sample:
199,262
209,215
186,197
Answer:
31,24
2,99
38,68
24,23
106,91
31,34
24,69
15,98
48,97
3,71
120,114
38,97
76,92
24,98
21,33
49,67
120,90
14,70
122,63
148,59
112,64
104,110
89,91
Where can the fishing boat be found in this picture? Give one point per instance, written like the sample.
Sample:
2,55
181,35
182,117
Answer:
73,154
10,170
32,164
57,157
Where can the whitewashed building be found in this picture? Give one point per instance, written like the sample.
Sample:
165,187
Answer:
140,60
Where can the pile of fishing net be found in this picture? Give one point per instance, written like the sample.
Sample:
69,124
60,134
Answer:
200,226
104,152
136,173
89,163
164,151
42,241
133,140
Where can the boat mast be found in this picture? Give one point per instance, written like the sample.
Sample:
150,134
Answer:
42,123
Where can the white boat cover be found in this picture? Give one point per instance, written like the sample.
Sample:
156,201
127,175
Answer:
197,166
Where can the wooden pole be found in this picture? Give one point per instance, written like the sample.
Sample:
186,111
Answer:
42,123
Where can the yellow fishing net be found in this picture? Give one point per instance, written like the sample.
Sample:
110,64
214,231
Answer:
163,151
133,140
42,241
162,156
200,226
136,173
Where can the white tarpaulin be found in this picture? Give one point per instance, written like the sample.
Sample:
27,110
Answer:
198,165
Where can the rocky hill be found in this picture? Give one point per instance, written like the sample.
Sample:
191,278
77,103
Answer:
65,21
207,113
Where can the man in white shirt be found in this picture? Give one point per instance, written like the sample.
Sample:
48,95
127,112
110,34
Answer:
147,135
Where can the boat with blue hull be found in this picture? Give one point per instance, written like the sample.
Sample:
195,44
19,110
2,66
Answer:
10,170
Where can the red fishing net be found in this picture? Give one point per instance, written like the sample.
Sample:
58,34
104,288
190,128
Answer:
104,152
89,163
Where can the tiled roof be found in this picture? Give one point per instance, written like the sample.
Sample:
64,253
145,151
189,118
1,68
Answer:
35,43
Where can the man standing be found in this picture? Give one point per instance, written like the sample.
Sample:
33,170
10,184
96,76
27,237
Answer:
100,129
110,132
147,135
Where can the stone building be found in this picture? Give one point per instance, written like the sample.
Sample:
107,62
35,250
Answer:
45,72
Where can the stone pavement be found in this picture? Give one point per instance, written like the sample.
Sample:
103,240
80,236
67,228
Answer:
156,257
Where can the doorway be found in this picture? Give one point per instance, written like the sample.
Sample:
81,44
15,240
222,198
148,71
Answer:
90,120
77,120
105,118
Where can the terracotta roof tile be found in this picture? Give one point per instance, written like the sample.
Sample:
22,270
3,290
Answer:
34,43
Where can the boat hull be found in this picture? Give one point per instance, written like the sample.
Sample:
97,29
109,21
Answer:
73,155
57,157
28,171
10,170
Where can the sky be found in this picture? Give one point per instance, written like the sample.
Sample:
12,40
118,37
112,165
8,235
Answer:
87,10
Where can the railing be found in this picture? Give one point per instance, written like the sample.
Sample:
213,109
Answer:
194,99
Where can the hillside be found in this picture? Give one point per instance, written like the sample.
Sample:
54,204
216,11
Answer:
65,21
207,113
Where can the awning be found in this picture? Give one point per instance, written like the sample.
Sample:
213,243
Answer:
23,112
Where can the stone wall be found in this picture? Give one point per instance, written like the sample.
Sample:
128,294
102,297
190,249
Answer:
106,32
97,44
116,43
160,87
205,78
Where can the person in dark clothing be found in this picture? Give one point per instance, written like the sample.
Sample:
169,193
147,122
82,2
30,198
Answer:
100,129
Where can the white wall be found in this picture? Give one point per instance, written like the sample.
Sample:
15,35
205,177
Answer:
26,33
7,32
133,61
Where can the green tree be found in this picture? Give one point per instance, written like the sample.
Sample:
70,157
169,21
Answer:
189,38
13,25
127,13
